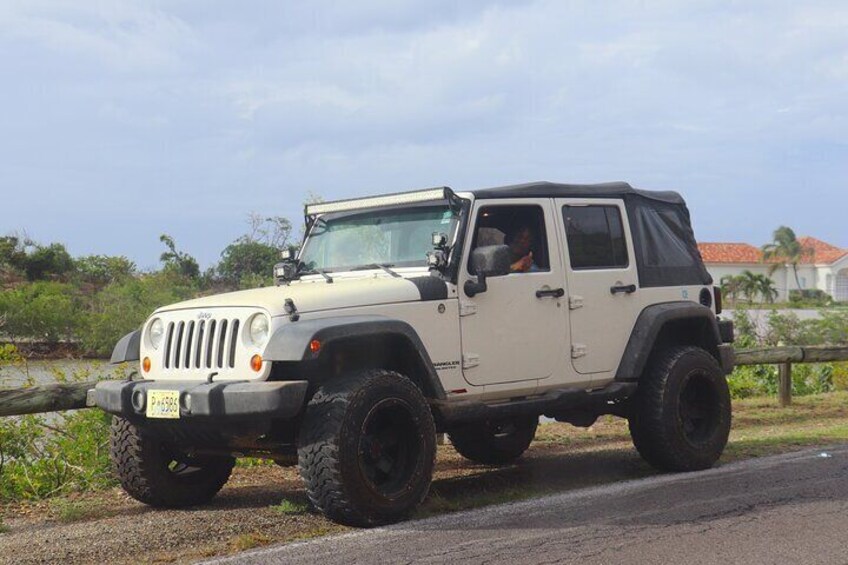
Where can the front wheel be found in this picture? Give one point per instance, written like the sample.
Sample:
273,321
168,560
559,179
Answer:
680,414
154,473
367,448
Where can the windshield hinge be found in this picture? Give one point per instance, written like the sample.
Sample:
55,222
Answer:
467,308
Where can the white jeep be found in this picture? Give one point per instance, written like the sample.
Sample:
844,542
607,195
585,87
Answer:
406,315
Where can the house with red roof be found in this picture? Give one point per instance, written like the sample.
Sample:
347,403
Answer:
823,266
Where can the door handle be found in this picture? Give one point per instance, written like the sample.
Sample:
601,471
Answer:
625,288
552,292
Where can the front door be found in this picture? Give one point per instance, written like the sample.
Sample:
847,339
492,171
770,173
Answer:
509,333
602,280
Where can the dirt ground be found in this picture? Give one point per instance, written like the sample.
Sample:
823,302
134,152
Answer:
267,504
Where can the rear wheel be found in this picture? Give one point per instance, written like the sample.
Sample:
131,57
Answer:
154,473
367,448
495,442
680,415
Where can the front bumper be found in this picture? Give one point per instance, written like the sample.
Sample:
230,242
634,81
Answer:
236,400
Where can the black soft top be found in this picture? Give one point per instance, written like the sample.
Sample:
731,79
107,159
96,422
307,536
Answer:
665,247
545,189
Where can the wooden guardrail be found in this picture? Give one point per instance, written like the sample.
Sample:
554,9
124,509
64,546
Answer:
73,396
48,398
784,357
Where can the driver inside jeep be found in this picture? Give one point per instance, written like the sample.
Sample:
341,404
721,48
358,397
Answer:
520,241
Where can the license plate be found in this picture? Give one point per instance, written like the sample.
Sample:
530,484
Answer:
163,404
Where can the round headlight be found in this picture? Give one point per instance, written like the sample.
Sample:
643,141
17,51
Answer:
258,329
155,332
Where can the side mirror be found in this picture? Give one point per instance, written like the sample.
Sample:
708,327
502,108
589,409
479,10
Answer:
488,261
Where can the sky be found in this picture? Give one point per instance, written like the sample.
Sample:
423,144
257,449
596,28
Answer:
121,121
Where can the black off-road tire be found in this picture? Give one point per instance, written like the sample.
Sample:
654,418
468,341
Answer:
367,448
152,473
680,414
495,443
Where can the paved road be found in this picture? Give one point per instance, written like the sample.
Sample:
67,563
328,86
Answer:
784,509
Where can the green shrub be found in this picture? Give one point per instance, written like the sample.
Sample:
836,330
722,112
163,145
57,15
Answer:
812,379
840,376
123,306
103,269
810,298
831,328
745,335
9,354
244,262
42,310
754,380
41,458
48,261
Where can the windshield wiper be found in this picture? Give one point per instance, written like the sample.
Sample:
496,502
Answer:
384,266
321,272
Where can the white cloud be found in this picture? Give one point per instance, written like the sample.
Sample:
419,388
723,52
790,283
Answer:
190,103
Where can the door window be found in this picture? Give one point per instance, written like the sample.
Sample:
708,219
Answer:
595,237
522,228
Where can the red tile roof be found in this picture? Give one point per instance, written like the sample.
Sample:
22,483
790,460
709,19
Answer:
730,253
820,252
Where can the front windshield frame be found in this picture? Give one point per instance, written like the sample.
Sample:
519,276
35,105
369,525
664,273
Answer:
453,231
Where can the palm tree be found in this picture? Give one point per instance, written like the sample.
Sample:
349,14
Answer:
731,286
749,285
786,248
766,288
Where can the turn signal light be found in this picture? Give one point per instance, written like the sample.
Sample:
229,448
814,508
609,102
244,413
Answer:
145,365
314,346
256,363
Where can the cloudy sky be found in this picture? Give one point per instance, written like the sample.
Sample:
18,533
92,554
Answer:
121,120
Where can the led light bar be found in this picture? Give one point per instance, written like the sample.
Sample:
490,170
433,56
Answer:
442,193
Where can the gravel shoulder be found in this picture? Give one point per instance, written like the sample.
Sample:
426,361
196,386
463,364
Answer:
266,504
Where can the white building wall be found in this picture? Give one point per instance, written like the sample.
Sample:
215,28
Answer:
811,277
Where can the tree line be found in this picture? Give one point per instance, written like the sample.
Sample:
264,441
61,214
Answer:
92,300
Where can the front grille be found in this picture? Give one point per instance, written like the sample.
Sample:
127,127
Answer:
204,344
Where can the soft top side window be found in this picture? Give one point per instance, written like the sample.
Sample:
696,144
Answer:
595,235
522,227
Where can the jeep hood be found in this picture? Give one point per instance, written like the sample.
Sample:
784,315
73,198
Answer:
316,295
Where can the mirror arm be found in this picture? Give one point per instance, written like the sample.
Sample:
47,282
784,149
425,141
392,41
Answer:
472,288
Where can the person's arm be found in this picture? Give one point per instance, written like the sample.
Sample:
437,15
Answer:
523,264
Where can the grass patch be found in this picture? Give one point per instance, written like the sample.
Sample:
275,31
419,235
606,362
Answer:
254,462
3,527
439,504
67,510
251,540
290,508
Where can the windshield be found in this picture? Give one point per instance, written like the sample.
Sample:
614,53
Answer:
399,237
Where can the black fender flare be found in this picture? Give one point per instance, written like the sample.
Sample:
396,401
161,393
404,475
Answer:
128,348
648,326
291,342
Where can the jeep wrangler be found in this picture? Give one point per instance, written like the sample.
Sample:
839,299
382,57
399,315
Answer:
434,311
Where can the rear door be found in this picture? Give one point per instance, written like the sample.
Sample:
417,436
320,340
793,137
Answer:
602,280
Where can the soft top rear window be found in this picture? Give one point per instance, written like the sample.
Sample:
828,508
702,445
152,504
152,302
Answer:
666,252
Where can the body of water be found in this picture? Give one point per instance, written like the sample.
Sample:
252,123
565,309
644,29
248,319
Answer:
52,371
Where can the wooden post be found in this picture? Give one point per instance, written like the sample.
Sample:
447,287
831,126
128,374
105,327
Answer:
785,383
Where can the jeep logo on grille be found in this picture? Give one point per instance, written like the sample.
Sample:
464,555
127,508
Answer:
204,316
